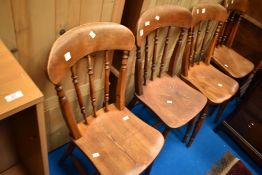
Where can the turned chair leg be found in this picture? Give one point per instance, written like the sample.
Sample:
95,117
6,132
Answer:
221,110
212,110
69,149
80,168
190,126
165,132
198,125
132,103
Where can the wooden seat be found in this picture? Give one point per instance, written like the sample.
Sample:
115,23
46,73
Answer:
232,62
125,146
197,70
112,138
224,56
215,85
186,101
172,100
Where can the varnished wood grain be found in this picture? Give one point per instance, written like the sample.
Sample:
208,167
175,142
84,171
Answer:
185,102
232,62
23,117
182,18
86,45
125,147
172,100
100,134
225,57
208,11
215,85
13,81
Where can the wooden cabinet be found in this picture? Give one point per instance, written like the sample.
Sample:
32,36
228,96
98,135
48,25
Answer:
23,148
244,125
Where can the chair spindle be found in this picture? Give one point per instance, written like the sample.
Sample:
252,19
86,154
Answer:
162,64
146,61
202,49
153,66
173,60
221,33
191,57
187,53
196,43
138,72
213,44
107,72
78,93
91,84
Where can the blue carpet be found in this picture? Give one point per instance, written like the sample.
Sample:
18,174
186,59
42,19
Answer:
175,157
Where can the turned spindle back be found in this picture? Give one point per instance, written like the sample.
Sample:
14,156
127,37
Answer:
150,22
79,43
235,8
203,15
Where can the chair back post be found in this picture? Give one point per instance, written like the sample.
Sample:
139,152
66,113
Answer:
121,84
67,112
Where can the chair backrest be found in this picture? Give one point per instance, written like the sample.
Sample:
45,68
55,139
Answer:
203,14
150,22
79,43
235,10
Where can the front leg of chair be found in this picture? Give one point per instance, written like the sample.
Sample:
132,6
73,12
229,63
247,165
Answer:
190,126
80,168
198,125
165,132
69,149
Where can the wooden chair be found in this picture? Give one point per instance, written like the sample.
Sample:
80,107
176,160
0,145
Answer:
231,62
171,99
197,70
112,138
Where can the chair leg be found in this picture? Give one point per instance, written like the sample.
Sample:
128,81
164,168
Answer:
159,122
221,110
148,169
165,132
80,168
189,129
212,111
198,125
132,103
69,149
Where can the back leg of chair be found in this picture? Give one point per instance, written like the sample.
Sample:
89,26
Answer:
221,110
198,125
69,149
165,132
